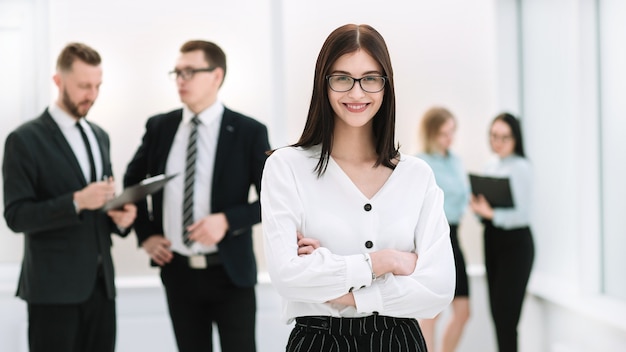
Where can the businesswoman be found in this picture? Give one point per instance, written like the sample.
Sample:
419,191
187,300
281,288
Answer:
509,249
437,130
356,238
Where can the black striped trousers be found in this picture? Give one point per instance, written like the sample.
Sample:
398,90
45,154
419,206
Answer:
374,333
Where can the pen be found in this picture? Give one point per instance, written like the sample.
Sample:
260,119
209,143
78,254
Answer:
108,180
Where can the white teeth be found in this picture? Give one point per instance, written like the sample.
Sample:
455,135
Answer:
355,106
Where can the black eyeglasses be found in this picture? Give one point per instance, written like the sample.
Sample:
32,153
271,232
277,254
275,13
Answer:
369,84
188,73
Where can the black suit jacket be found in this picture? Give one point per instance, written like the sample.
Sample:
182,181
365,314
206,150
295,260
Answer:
61,247
239,161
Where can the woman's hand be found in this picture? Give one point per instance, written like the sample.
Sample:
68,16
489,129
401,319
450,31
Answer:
481,207
393,261
345,300
306,245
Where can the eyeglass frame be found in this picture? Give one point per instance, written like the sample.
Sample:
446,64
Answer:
354,80
175,74
501,138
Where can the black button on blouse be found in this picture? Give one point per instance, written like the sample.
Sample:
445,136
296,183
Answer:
369,244
367,207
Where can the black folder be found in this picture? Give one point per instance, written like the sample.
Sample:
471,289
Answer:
497,190
139,191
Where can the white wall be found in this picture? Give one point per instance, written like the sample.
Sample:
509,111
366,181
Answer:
462,54
443,53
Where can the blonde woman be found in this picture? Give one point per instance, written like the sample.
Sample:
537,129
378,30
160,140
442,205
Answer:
437,129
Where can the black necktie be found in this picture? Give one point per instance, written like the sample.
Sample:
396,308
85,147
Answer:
190,172
92,163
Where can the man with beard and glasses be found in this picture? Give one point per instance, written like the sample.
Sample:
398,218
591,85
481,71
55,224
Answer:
57,176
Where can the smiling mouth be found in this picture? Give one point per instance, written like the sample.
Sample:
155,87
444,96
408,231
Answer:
356,107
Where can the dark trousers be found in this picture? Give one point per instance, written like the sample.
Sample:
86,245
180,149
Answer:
197,298
509,257
367,334
88,326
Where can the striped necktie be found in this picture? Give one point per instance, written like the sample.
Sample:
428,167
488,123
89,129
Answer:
190,171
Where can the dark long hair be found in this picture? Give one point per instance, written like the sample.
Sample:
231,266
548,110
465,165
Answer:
516,131
320,123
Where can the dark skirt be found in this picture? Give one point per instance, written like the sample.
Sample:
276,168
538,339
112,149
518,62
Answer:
462,283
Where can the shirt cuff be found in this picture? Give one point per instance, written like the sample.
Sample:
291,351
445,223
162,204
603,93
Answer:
358,273
368,300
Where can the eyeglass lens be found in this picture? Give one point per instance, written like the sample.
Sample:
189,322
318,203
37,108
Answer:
185,74
370,84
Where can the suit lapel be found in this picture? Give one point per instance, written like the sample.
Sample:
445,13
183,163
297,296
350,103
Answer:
168,132
63,146
224,144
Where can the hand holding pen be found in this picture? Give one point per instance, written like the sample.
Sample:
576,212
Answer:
95,195
125,216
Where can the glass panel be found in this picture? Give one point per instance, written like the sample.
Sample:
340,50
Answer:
613,144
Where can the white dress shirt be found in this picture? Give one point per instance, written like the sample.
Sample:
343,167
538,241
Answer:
208,133
67,124
405,214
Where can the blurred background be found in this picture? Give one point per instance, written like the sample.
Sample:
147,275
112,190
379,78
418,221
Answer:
556,64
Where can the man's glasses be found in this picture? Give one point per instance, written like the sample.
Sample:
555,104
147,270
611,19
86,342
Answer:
369,84
188,73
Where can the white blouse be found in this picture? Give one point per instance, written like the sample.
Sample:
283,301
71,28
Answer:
405,214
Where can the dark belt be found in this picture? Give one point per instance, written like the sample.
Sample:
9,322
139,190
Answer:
349,326
211,259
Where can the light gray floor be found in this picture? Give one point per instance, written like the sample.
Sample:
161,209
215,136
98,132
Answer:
144,325
271,333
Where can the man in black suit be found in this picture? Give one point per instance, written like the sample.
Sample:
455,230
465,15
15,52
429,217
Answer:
199,228
55,183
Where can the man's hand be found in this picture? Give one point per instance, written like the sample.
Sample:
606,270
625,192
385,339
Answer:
95,195
125,217
158,248
209,230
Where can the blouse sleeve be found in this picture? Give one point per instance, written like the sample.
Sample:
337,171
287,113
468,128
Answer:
430,288
317,277
521,189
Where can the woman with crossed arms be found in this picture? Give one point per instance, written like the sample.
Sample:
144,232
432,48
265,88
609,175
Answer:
355,235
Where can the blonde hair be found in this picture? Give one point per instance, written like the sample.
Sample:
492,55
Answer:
431,123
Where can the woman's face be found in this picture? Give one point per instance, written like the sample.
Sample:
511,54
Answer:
445,136
356,107
501,139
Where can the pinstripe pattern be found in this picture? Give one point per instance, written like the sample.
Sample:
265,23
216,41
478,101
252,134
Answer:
374,333
190,171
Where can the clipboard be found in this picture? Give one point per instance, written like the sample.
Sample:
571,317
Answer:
139,191
497,190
